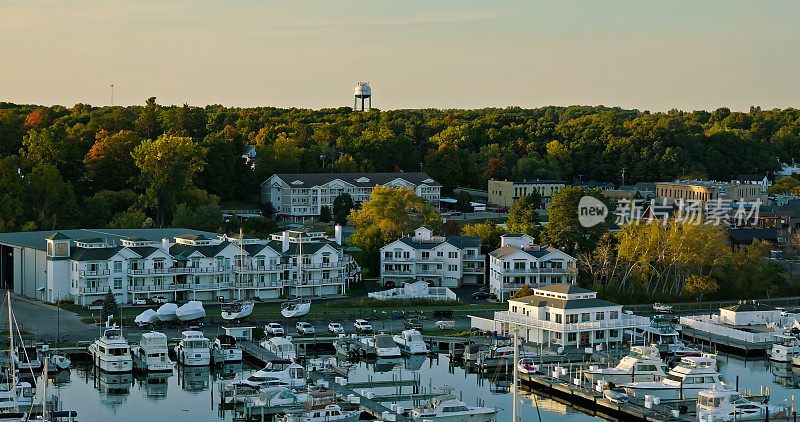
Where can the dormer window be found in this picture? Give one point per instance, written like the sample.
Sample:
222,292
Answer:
363,180
297,182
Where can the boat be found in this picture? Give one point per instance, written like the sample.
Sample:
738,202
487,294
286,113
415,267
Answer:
278,396
224,349
295,308
383,344
660,332
692,375
280,374
784,348
661,307
280,347
111,352
193,349
321,407
237,310
727,405
166,312
59,362
615,396
147,317
151,354
643,363
411,342
28,358
191,311
10,408
448,408
241,391
527,366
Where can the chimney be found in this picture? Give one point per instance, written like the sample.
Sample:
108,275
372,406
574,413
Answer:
285,240
338,234
165,244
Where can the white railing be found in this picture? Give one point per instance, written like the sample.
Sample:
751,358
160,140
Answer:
710,324
537,270
624,321
434,293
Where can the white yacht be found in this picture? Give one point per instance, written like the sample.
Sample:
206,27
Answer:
278,374
661,307
111,352
411,342
383,344
279,396
28,358
295,308
662,334
237,310
224,350
241,391
152,353
643,363
193,349
321,407
448,408
784,348
728,405
59,362
692,375
281,347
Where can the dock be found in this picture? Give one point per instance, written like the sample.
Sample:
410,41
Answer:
258,353
725,343
365,404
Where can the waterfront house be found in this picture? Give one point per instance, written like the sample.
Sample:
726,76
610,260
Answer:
417,290
565,315
749,313
520,261
449,261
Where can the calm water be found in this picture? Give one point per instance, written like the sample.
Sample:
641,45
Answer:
190,395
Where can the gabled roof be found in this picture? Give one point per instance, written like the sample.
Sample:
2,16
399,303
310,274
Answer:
193,237
58,236
93,254
464,241
750,307
356,179
91,240
564,288
563,303
750,177
254,248
507,250
143,251
308,248
207,251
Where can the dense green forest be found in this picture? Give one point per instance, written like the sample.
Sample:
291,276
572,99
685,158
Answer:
156,165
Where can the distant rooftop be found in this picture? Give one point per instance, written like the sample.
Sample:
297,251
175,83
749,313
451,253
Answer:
37,239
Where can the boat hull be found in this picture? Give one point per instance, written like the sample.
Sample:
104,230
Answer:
193,357
480,417
226,355
111,366
245,310
667,392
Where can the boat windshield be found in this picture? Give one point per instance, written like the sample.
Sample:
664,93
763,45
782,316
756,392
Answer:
415,338
451,409
118,351
196,344
384,342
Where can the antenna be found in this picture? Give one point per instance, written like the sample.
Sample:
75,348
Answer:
112,95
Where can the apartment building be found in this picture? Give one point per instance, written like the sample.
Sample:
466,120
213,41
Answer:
442,261
504,193
177,264
520,261
566,315
300,197
709,190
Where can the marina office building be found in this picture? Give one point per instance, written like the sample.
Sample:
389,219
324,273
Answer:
565,315
179,264
300,197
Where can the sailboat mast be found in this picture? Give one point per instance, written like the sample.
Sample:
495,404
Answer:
11,343
516,377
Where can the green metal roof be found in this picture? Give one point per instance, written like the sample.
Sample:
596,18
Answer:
37,239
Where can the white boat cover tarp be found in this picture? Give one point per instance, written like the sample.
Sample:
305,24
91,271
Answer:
167,312
147,317
192,310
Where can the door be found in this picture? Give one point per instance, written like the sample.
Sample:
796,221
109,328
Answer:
584,337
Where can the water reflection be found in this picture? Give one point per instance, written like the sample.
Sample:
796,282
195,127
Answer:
194,378
154,385
114,388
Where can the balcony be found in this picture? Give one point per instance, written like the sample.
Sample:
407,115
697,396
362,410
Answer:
260,284
397,259
96,273
177,270
99,290
624,321
408,273
160,288
479,257
430,259
471,270
545,271
315,282
260,269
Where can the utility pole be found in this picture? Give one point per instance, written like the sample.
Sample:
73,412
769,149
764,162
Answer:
112,95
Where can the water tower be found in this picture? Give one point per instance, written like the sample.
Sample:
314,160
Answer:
363,92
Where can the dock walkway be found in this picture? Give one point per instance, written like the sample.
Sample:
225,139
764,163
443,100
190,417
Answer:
370,406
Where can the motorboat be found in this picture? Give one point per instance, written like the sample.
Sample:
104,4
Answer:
727,405
411,342
111,352
448,408
295,308
151,354
281,347
167,312
661,307
321,406
279,396
59,362
784,348
692,375
241,391
643,363
237,310
527,366
224,350
10,408
193,349
191,311
147,317
280,374
28,358
383,344
615,396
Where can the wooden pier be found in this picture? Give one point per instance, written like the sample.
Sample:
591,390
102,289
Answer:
725,344
371,406
258,353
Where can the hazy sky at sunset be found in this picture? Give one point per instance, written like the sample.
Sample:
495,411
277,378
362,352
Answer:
465,54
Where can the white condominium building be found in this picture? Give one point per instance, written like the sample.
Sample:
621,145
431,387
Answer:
177,264
566,315
300,197
443,261
519,261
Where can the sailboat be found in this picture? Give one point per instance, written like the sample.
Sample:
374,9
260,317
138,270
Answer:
10,391
297,307
240,308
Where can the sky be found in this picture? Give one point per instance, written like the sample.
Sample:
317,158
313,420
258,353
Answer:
649,55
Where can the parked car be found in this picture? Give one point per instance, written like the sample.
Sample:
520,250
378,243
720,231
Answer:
98,302
389,284
412,324
159,299
362,326
480,295
335,328
305,328
139,301
274,329
445,325
501,210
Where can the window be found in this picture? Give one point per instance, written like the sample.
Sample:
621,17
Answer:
585,317
599,316
158,264
572,337
452,267
613,333
387,255
547,316
599,335
452,254
326,258
117,282
260,261
117,266
647,368
426,255
439,254
558,318
572,318
613,314
195,262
